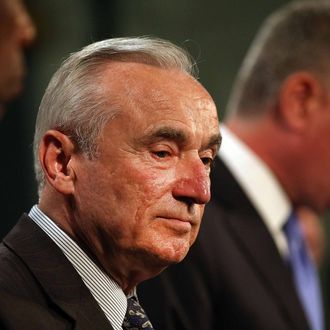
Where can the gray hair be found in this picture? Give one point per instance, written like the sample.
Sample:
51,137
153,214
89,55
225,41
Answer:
296,37
74,101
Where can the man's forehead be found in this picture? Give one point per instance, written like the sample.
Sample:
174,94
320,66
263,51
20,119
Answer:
154,98
136,75
145,88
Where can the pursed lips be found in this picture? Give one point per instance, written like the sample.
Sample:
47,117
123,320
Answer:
174,217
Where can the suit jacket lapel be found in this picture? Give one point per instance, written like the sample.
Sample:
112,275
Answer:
256,243
56,275
227,191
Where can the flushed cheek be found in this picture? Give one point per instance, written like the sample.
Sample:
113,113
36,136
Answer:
151,175
153,185
142,201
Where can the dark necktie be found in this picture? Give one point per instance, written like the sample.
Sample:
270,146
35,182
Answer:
135,317
304,274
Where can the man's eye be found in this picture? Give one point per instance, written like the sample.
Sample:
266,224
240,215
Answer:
161,154
207,161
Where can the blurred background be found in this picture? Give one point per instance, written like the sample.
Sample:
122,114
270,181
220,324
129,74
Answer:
216,33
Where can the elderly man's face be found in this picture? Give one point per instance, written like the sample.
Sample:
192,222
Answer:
16,32
143,198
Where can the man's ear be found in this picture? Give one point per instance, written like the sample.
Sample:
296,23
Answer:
299,99
55,156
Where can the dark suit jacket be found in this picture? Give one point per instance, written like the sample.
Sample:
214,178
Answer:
232,278
39,288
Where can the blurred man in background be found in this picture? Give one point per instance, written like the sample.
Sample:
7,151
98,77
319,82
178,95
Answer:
250,268
17,31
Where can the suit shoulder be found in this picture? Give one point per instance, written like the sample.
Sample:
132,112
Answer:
15,276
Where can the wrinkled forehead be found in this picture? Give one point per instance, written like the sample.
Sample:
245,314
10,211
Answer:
151,96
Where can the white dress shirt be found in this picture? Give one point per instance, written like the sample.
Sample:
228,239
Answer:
260,185
107,293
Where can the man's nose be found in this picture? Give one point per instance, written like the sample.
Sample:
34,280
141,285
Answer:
26,30
193,183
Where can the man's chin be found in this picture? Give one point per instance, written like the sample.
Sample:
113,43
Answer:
17,89
169,255
160,264
160,254
12,89
7,99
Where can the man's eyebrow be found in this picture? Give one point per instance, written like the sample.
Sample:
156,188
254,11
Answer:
170,133
165,133
214,141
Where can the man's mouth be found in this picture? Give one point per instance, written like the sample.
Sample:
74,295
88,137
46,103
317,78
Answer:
180,224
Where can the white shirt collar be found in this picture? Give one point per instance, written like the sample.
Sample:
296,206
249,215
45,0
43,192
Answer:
107,293
259,183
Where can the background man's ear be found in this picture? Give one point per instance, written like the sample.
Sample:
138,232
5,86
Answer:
299,99
55,152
